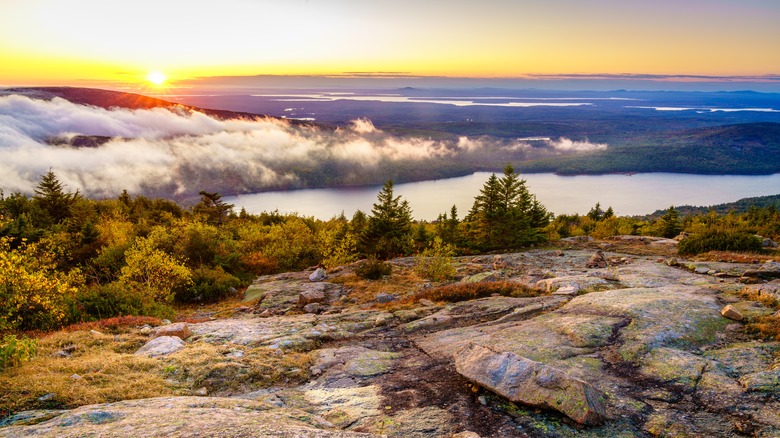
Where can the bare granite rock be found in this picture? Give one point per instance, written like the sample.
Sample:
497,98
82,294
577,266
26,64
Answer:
180,330
531,383
182,417
162,346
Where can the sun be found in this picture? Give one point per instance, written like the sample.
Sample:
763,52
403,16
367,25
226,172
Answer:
156,77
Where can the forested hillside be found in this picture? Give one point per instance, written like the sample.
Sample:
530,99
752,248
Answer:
735,149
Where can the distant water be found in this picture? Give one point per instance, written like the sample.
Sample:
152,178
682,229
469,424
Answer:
636,194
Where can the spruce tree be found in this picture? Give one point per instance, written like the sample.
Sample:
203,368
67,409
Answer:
505,215
213,207
670,223
52,199
387,231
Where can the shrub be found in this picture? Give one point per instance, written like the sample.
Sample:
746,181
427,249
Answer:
373,269
209,285
14,351
258,263
31,290
157,272
470,291
719,241
292,244
435,262
112,300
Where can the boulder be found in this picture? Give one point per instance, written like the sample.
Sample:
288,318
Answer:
531,383
484,277
597,260
570,290
180,330
383,297
319,274
499,263
309,297
162,346
312,308
731,313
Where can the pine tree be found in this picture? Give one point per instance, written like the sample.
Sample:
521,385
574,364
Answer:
387,231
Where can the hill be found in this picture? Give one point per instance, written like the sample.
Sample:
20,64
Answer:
747,149
740,206
120,99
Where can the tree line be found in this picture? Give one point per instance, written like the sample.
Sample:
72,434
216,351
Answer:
65,258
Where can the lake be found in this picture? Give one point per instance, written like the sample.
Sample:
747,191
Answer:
636,194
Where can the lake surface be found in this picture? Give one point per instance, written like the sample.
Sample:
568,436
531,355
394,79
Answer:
636,194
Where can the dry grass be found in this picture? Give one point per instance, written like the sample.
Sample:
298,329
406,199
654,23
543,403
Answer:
471,291
402,283
226,370
105,373
194,313
767,326
735,257
108,371
119,324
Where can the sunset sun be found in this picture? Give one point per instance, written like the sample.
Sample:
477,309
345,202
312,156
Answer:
156,77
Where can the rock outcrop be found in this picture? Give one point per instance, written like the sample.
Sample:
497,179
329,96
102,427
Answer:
531,383
634,349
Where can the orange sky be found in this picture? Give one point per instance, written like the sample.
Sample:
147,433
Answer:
88,41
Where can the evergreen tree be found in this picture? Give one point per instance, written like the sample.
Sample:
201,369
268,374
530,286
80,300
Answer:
213,207
670,223
387,231
505,215
52,199
596,213
447,227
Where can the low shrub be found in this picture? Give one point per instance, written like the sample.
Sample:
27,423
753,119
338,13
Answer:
14,351
373,269
111,300
719,241
435,262
209,285
470,291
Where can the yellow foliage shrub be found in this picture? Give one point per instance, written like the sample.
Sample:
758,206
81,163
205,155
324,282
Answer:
32,293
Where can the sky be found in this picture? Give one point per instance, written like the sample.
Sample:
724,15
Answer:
88,42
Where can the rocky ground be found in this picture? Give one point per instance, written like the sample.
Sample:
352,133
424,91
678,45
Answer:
620,344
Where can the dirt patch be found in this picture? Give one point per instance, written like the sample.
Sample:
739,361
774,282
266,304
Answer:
419,381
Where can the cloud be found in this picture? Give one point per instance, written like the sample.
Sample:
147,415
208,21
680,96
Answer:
160,151
564,144
176,153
